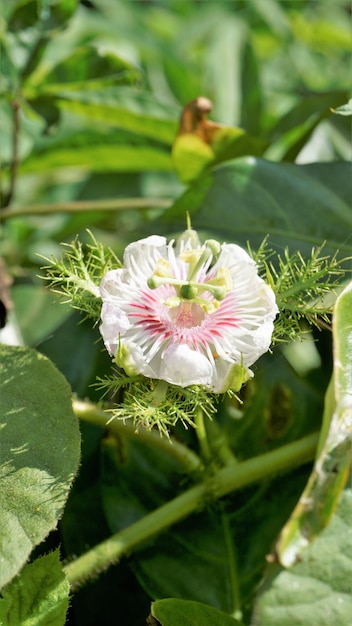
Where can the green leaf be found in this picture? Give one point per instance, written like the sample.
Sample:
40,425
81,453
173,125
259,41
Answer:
56,13
175,612
86,68
125,499
40,447
276,404
73,344
38,597
9,73
33,303
121,107
197,545
52,14
299,206
220,553
29,130
252,97
294,129
316,591
100,158
21,14
190,155
333,464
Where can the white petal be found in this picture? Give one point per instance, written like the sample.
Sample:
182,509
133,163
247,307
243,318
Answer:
141,257
233,256
182,366
114,324
111,284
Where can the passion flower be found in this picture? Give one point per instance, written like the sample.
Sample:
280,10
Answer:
189,314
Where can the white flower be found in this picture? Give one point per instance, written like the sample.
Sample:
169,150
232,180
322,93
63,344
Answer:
187,314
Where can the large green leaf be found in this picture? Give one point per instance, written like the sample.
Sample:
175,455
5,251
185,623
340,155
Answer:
40,448
220,553
276,404
334,460
317,591
299,206
38,597
174,612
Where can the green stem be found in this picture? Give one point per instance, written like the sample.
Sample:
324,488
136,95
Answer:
219,443
202,436
83,206
225,481
89,412
232,565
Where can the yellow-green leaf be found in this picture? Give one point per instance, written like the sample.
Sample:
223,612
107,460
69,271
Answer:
333,463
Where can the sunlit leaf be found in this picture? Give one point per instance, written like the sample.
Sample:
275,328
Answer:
40,446
38,596
333,464
317,591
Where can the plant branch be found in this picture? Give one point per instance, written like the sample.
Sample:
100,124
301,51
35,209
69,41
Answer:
202,435
223,482
82,206
89,412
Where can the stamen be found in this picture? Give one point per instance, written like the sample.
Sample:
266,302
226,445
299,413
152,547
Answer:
155,281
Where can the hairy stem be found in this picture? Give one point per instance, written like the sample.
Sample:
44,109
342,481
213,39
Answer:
202,436
224,481
89,412
219,443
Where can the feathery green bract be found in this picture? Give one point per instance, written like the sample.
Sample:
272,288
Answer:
76,275
305,288
148,403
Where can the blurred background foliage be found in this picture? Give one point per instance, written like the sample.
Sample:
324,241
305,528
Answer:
91,97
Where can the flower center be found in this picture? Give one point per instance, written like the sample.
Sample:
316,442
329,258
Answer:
206,296
187,315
